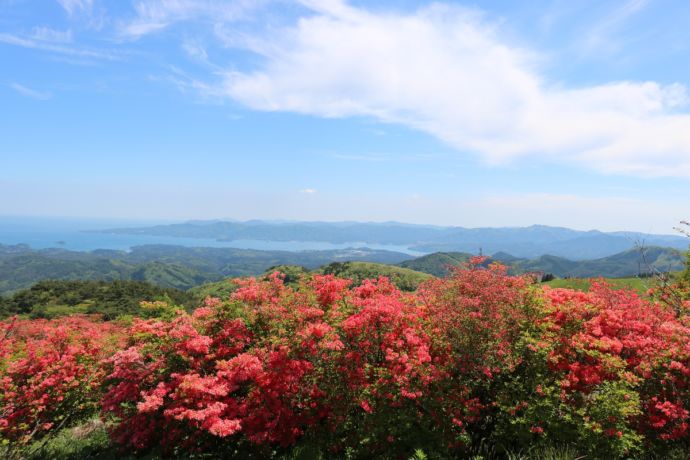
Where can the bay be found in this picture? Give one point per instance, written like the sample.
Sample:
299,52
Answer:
77,234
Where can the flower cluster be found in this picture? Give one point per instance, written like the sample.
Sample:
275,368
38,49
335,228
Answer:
50,373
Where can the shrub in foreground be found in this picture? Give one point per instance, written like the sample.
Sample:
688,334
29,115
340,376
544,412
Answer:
478,361
50,375
373,371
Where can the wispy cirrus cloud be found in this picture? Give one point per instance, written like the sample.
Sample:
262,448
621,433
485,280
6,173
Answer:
194,50
32,93
54,46
155,15
602,36
46,34
73,7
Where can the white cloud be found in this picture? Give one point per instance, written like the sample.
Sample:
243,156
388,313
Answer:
76,6
194,50
47,34
308,191
58,48
28,92
603,37
89,13
446,71
155,15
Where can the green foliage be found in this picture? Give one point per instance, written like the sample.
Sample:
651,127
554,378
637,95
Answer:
419,455
685,275
547,277
558,452
293,273
404,278
88,440
437,263
4,307
53,298
533,411
219,289
184,268
625,264
22,270
169,275
168,266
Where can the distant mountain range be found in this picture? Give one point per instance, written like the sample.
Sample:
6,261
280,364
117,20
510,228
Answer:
522,242
185,267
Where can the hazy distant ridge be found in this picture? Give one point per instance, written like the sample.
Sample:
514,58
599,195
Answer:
527,242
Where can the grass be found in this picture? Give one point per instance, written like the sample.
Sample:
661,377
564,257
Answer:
90,441
583,284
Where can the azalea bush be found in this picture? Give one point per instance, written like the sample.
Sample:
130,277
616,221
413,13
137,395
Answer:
273,366
479,356
50,375
319,367
606,370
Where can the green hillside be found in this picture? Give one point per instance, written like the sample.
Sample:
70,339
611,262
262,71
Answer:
583,284
220,289
111,299
170,275
183,268
437,263
22,270
404,278
164,265
625,264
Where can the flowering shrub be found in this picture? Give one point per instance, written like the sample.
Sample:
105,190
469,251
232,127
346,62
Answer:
50,374
272,365
479,356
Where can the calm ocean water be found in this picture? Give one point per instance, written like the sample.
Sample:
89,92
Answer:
77,235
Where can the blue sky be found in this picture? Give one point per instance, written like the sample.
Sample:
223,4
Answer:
485,113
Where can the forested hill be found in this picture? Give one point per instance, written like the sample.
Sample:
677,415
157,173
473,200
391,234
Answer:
437,264
183,268
627,263
167,266
111,299
525,242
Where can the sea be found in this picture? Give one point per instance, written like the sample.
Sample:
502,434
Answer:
77,234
